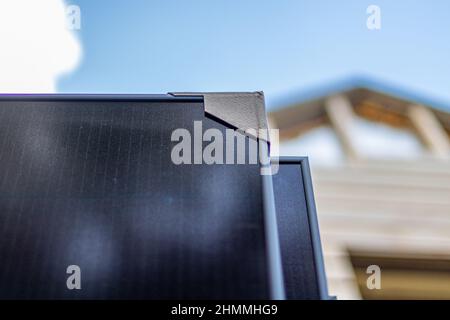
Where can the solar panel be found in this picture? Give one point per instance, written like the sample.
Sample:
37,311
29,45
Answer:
88,181
304,275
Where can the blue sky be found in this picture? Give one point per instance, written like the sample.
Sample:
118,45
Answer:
280,47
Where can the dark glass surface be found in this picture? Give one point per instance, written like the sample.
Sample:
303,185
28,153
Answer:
294,231
91,183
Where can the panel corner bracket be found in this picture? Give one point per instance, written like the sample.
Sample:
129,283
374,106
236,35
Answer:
244,111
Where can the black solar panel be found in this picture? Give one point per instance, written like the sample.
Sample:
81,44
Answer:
91,183
304,276
88,182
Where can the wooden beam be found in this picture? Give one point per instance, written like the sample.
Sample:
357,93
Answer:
430,130
341,115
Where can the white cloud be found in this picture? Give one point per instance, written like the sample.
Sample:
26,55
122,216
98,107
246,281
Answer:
36,47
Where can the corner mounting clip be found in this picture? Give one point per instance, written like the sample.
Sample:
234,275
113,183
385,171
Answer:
241,110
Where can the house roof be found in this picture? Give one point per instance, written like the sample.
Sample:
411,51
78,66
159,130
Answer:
370,98
358,82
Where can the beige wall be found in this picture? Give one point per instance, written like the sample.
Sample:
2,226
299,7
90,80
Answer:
380,206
